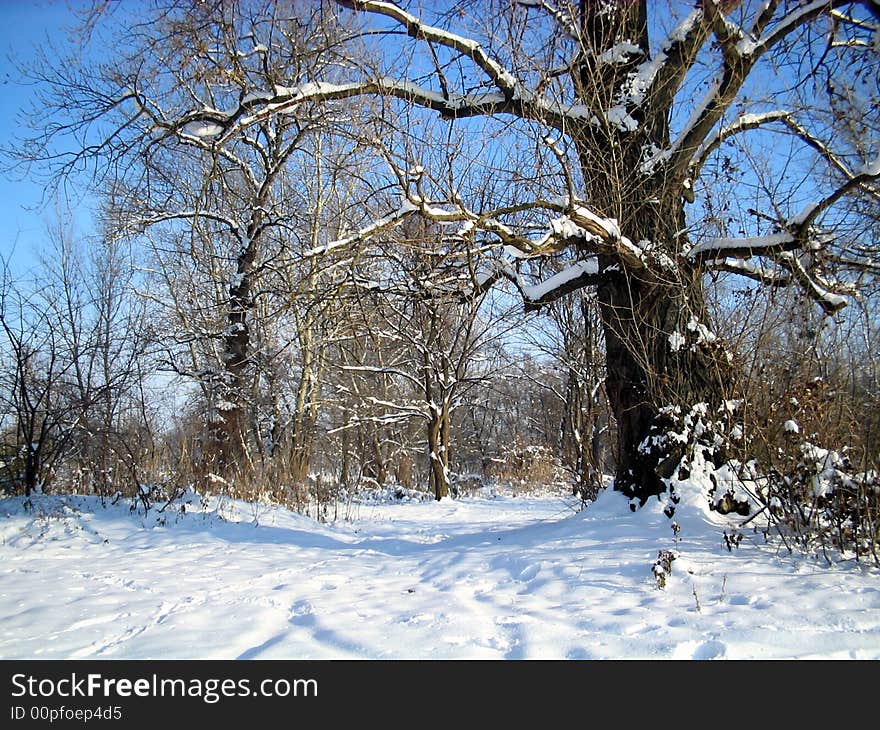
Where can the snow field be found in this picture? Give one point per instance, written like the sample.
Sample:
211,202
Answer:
477,578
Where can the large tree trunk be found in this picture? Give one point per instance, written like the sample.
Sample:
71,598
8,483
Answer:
660,353
229,423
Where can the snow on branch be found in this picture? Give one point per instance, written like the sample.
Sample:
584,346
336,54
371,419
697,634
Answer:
743,248
785,249
791,271
583,273
415,28
234,226
743,124
869,172
754,270
861,179
409,409
814,285
208,126
677,55
389,221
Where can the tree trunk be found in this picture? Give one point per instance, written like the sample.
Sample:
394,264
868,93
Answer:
659,353
438,452
228,424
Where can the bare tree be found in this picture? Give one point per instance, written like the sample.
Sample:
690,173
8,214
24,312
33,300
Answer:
430,343
605,91
574,343
87,289
229,228
37,418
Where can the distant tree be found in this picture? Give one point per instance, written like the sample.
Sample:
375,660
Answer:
228,228
38,419
430,344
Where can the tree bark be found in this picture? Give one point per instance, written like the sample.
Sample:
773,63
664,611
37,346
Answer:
641,308
229,423
649,369
438,451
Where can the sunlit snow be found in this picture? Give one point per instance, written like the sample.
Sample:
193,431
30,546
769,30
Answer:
495,576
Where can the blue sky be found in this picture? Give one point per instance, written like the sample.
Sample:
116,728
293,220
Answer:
24,24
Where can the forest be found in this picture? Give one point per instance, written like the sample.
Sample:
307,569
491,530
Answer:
356,247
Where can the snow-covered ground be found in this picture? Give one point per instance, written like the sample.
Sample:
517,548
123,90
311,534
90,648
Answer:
506,577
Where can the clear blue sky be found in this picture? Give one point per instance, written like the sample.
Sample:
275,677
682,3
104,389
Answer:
24,24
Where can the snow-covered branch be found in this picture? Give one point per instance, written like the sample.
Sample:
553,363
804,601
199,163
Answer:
415,28
746,122
409,409
868,173
578,275
815,286
377,226
754,270
677,55
233,225
785,249
743,124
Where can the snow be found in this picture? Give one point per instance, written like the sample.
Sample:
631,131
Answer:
537,292
704,335
871,168
791,426
680,33
609,225
202,130
564,227
746,46
620,118
406,208
619,53
773,240
676,341
257,96
697,114
803,216
494,576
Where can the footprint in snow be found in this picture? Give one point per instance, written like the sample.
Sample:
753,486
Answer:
740,600
530,573
302,613
710,650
